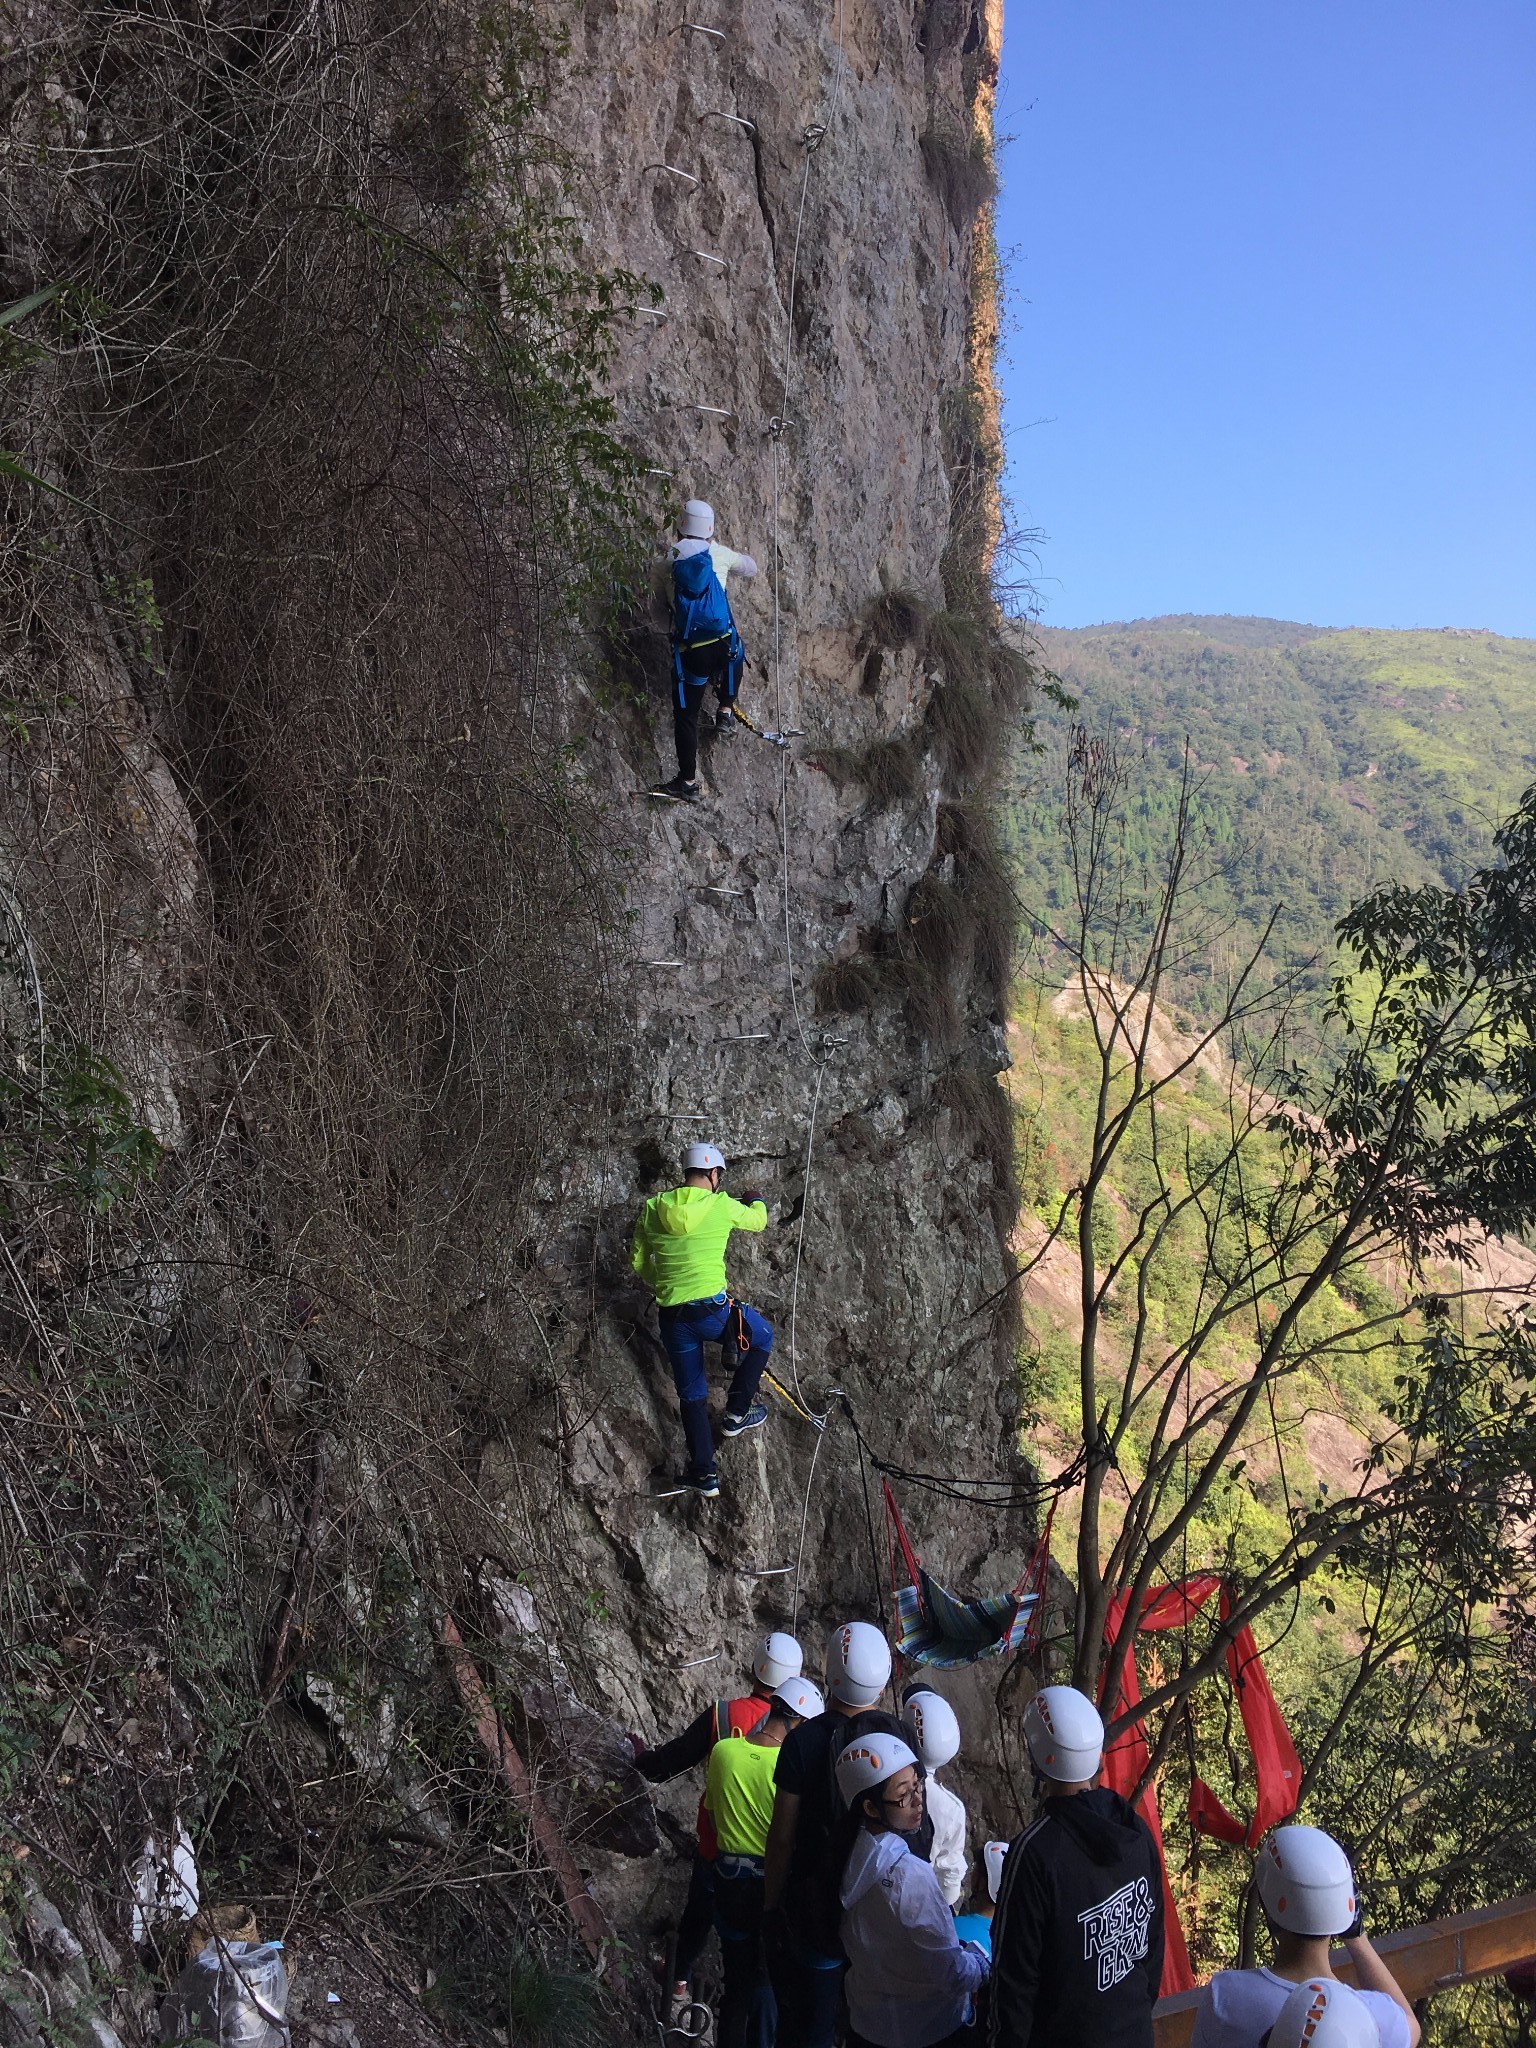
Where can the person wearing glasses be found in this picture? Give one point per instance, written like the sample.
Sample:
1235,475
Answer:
912,1982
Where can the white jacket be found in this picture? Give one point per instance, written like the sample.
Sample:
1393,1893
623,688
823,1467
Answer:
726,560
910,1979
947,1812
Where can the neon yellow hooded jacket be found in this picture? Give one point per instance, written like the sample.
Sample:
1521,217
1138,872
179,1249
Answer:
680,1241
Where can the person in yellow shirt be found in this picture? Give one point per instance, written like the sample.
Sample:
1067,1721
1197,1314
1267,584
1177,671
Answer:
739,1794
679,1252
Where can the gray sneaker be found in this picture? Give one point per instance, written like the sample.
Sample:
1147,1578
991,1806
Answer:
677,791
738,1425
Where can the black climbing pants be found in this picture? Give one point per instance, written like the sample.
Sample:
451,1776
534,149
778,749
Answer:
698,1920
689,700
697,671
747,2011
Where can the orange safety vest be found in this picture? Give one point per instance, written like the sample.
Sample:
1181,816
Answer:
732,1717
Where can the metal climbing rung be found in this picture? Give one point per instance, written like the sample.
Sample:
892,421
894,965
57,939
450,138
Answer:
705,257
672,172
719,114
661,472
720,412
663,963
694,1662
742,1037
697,28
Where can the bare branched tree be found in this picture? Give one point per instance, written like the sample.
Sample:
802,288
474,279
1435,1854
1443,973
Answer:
1386,1130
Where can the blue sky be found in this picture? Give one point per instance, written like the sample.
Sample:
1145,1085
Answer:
1272,281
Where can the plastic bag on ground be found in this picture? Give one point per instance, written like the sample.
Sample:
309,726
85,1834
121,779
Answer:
234,1995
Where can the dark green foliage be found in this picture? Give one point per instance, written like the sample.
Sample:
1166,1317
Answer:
1429,1116
895,618
958,644
960,169
1014,678
941,927
889,771
965,730
933,1008
985,886
505,1993
1327,763
984,1114
844,988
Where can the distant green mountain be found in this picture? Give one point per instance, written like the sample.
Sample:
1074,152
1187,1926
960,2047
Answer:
1329,760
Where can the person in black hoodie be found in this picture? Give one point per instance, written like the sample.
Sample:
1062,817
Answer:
1077,1941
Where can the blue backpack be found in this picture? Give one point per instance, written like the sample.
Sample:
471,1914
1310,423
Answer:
700,609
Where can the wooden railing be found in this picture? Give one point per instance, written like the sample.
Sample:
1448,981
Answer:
1422,1959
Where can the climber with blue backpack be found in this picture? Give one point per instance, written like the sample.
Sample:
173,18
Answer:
706,647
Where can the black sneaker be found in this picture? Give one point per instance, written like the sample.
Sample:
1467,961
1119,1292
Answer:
725,719
705,1484
677,791
738,1425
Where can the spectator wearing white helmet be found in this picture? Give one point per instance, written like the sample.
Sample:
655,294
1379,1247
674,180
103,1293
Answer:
706,647
739,1797
1307,1889
775,1660
911,1979
977,1924
679,1252
1077,1941
936,1738
808,1841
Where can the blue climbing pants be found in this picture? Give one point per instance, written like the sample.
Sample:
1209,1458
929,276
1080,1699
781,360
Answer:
685,1330
808,1990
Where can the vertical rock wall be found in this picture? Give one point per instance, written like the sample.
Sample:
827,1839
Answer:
882,1263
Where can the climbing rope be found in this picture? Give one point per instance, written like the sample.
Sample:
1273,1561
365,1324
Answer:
818,1057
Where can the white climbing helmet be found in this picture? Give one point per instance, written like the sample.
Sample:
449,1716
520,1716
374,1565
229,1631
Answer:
703,1159
776,1658
867,1762
1305,1883
858,1664
698,520
1065,1734
1323,2013
799,1696
995,1853
936,1732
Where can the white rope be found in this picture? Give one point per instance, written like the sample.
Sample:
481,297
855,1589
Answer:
818,1058
805,1516
805,1206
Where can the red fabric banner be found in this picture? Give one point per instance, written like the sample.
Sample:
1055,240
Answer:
1276,1768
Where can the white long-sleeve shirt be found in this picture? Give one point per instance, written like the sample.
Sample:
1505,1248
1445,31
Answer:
726,560
947,1812
910,1978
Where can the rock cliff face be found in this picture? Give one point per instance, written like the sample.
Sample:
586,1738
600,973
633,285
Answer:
808,973
806,392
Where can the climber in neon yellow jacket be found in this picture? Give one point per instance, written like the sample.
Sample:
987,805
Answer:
679,1252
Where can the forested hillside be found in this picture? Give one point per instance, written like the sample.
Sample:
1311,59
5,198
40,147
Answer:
1232,1378
1327,762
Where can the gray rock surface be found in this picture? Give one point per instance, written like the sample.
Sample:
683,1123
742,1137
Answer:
882,1261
